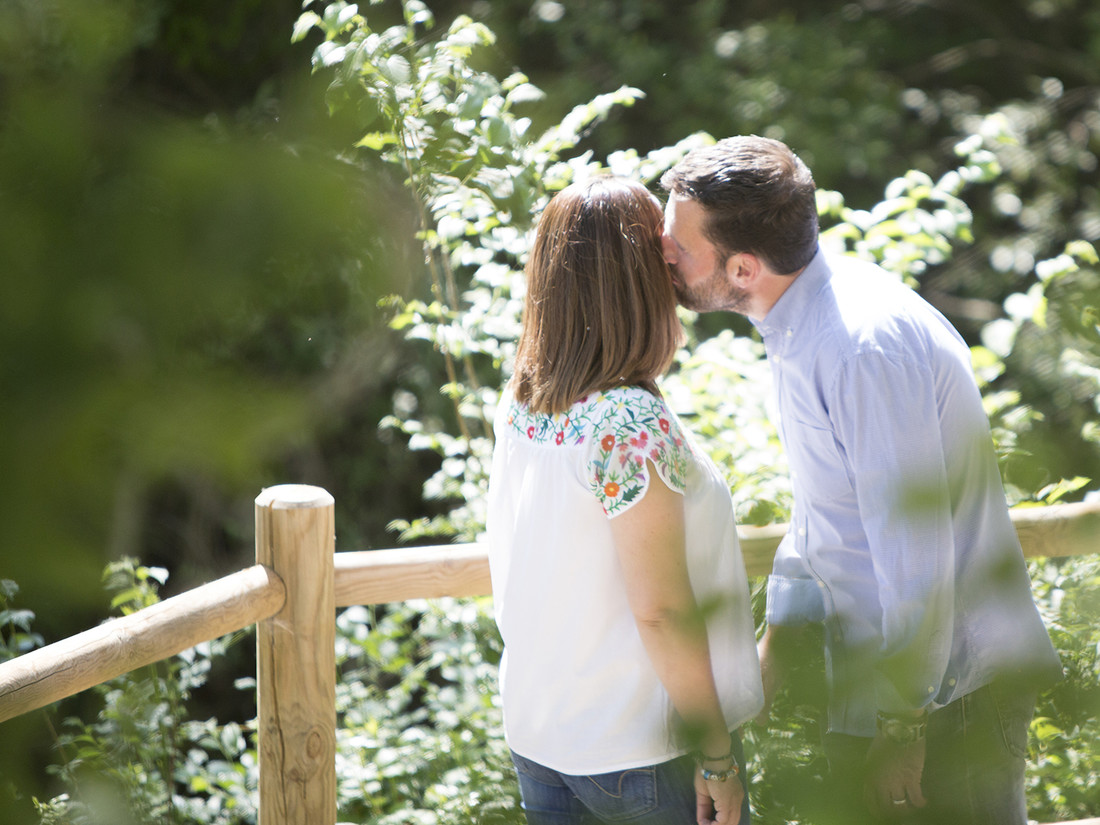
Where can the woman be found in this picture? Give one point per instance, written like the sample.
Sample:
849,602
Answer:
619,587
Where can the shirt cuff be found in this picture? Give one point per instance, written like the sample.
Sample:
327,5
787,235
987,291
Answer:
890,699
793,601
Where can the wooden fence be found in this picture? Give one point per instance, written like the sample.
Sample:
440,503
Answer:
292,593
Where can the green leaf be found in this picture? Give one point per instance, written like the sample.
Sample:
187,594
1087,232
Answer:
376,141
305,23
396,69
129,596
1083,251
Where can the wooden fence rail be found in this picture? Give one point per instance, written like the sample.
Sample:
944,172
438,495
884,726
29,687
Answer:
380,576
292,593
87,659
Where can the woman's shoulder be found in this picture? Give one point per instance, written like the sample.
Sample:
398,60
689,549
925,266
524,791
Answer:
624,410
635,427
636,406
626,401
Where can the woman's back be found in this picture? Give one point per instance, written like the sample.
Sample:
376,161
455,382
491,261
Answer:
580,694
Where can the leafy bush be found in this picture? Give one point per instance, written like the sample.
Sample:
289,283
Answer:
420,730
1065,736
143,760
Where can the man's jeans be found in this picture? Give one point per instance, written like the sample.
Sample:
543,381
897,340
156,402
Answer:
661,794
973,764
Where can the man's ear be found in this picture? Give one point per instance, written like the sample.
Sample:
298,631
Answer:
743,269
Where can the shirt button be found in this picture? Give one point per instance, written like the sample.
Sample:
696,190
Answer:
790,332
931,690
801,531
952,682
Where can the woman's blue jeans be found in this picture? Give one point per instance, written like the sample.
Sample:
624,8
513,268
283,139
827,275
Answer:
662,794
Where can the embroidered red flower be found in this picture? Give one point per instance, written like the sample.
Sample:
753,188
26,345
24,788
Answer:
530,432
607,442
664,425
560,437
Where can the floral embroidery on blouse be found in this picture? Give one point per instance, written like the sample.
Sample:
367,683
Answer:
623,428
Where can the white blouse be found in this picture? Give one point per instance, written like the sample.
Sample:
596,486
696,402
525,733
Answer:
579,692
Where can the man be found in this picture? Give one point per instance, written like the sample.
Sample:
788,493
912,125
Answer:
900,539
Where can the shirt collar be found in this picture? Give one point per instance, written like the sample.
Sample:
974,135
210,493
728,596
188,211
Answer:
793,305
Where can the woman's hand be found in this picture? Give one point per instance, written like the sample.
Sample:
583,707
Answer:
718,802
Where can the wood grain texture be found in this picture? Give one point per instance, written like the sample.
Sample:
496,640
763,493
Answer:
380,576
120,645
296,659
1059,530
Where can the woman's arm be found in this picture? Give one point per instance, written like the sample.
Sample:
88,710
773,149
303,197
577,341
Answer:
649,540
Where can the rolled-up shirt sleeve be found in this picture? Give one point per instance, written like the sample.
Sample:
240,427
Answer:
794,597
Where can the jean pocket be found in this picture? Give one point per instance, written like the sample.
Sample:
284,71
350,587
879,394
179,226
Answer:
621,795
1014,709
537,772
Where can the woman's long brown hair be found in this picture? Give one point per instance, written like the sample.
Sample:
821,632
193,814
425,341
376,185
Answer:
600,310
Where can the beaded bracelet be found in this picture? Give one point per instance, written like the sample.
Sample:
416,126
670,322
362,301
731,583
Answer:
720,776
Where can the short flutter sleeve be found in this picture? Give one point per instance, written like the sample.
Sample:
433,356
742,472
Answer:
632,426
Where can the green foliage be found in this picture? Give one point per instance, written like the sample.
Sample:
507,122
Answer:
174,291
1048,347
719,388
1065,735
478,180
165,285
142,759
16,636
420,733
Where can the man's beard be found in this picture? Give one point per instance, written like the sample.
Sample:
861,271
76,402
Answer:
715,293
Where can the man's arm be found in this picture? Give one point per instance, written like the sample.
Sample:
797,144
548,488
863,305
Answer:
793,601
889,429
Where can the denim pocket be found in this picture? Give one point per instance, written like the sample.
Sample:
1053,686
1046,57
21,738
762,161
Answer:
621,795
536,771
1014,709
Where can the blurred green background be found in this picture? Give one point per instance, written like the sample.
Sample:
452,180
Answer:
191,257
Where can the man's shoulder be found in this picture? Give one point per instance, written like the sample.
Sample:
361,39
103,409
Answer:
857,276
869,296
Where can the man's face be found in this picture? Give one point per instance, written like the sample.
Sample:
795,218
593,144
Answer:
699,272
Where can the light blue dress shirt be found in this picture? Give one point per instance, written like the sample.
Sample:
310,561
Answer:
900,538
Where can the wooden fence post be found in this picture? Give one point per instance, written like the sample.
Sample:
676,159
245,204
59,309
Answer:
296,659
